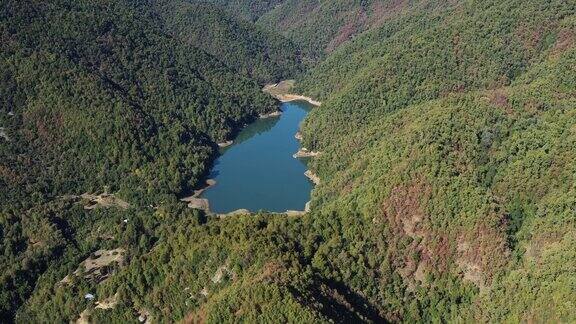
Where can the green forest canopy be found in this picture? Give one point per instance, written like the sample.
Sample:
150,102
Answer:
447,137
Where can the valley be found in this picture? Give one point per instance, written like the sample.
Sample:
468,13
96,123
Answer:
258,171
287,161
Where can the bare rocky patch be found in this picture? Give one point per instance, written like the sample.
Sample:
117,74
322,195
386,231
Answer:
273,114
3,134
313,177
107,303
281,91
305,153
195,201
99,266
144,316
482,252
225,144
104,200
221,273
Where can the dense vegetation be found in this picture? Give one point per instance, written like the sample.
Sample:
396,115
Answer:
249,49
448,138
322,26
319,27
246,9
97,96
448,169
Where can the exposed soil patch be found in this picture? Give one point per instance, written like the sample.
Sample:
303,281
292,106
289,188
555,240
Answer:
3,134
99,266
404,210
313,177
108,303
94,266
235,213
280,88
144,316
481,253
222,272
195,201
271,115
225,144
281,91
305,153
84,317
104,200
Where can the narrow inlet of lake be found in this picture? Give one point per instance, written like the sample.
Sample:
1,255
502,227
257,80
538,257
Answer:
258,171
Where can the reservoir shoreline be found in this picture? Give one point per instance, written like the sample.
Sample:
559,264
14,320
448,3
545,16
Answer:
281,91
198,201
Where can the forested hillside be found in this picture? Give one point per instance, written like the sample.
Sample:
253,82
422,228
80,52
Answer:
322,26
465,204
247,9
100,97
422,55
319,27
251,50
448,162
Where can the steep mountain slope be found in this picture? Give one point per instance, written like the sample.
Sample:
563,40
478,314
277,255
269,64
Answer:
447,133
247,9
319,27
447,146
322,26
99,97
244,47
113,86
458,202
457,209
423,55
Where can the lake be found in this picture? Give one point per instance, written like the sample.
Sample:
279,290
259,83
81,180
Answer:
258,171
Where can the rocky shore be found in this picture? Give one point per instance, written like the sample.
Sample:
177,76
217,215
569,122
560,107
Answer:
199,203
225,144
313,177
270,115
281,91
305,153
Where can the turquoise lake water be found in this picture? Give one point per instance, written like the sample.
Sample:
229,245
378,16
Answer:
258,171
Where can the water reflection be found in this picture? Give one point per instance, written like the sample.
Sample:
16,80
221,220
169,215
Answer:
258,171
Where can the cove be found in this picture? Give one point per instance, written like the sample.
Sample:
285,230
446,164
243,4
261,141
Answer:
258,171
